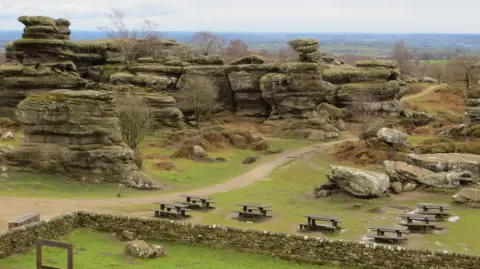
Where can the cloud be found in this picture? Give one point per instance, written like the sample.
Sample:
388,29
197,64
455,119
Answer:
261,15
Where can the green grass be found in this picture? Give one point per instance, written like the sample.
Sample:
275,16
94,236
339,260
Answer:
289,193
188,174
95,250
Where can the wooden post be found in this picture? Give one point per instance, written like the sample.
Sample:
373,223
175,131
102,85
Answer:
68,247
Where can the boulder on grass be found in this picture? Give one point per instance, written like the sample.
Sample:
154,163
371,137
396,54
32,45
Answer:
140,249
250,160
391,136
359,183
469,197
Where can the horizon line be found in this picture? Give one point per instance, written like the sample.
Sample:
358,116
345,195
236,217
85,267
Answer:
277,32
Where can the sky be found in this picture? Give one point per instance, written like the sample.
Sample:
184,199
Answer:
372,16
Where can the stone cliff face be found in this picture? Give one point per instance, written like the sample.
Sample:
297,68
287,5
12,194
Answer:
77,133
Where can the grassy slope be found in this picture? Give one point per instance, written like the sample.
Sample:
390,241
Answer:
187,176
96,250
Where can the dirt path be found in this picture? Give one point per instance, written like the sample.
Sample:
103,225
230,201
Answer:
425,92
12,207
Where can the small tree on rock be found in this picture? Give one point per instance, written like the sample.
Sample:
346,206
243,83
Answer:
135,119
402,55
198,94
208,42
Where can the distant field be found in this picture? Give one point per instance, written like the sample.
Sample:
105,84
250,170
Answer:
434,61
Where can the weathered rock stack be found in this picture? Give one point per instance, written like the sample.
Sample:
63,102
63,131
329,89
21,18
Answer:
374,84
77,133
45,62
472,109
307,49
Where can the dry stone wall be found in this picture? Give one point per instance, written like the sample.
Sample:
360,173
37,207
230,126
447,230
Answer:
290,247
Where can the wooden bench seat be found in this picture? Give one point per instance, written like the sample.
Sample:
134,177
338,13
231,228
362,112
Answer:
387,237
243,214
24,220
306,226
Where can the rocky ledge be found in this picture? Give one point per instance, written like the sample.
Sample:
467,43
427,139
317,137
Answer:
76,133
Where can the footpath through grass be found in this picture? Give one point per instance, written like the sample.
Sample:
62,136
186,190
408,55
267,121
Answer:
188,175
95,250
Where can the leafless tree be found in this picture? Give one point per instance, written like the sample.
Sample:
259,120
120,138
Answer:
135,118
198,94
459,69
130,41
360,111
402,55
287,54
436,71
208,42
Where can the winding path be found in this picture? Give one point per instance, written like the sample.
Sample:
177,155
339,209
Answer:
12,207
425,92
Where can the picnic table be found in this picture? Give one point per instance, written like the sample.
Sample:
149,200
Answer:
437,210
312,223
170,210
256,211
419,222
198,202
380,234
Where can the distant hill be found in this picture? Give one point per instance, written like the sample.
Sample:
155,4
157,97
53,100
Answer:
336,43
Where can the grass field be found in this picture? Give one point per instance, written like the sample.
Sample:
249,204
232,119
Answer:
188,174
289,193
100,251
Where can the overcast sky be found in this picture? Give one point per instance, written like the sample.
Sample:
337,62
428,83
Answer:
387,16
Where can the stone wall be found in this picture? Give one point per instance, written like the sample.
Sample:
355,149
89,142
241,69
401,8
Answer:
22,239
290,247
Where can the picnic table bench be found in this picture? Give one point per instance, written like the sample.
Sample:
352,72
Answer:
198,202
419,222
312,223
437,210
24,220
170,210
380,234
253,211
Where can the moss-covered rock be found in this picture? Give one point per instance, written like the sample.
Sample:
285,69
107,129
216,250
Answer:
355,75
37,21
377,63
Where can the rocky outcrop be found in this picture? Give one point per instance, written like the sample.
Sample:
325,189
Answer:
251,59
391,136
359,183
307,49
77,133
469,197
407,173
447,162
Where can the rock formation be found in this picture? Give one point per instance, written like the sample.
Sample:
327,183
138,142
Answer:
447,162
77,133
469,197
391,136
359,183
140,249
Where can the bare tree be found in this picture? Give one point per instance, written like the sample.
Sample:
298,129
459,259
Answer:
436,71
129,39
360,111
287,54
135,118
208,42
236,49
198,94
402,55
459,69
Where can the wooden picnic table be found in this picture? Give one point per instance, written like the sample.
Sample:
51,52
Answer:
380,234
312,225
24,220
419,222
168,209
250,210
437,210
193,201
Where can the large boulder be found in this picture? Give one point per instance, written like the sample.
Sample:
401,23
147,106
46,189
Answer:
359,183
391,136
447,162
469,197
140,249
